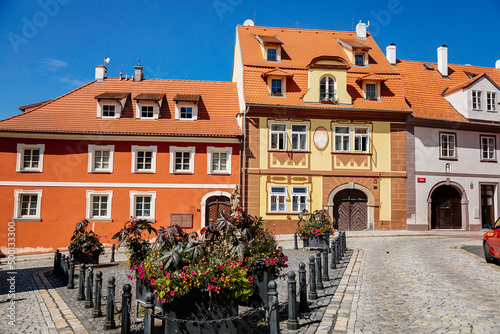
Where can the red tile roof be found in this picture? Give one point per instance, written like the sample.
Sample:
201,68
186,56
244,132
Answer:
426,89
75,112
277,72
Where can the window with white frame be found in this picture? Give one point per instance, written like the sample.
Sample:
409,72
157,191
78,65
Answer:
277,199
327,89
142,205
371,91
359,59
144,159
448,145
299,199
342,138
27,204
99,205
278,136
182,159
491,101
30,157
488,148
101,158
276,87
187,111
108,111
477,98
299,137
147,112
219,160
361,139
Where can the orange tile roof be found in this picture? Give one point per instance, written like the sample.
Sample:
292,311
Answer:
75,112
371,77
355,43
277,72
424,88
300,47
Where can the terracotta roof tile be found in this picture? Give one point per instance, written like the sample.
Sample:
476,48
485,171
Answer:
371,77
150,96
187,97
277,72
269,39
75,112
112,95
355,43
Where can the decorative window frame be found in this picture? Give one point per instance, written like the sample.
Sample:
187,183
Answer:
20,157
478,105
277,193
327,90
455,155
133,196
491,102
299,133
342,135
135,150
146,103
293,195
188,104
285,134
210,151
17,205
89,205
494,158
283,85
108,102
377,91
92,150
175,149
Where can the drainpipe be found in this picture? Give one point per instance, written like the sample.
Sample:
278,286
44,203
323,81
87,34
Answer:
243,162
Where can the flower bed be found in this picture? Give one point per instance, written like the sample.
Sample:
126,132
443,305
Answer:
85,247
315,228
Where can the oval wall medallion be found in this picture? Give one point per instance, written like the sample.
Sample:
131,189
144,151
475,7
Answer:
320,138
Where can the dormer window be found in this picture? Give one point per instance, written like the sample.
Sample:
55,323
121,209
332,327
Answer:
186,107
147,111
272,54
359,59
108,111
111,104
327,89
491,101
148,105
270,47
371,91
477,98
276,87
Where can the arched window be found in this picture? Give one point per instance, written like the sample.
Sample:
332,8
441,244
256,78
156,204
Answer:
327,89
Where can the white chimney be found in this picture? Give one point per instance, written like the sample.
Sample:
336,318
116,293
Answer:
100,72
497,64
443,60
390,53
138,73
361,30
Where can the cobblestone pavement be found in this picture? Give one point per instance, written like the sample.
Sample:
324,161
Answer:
44,305
421,285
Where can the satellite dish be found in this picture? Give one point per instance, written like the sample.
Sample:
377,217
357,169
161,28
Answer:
106,60
248,23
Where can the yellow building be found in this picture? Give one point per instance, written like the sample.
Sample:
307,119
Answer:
323,114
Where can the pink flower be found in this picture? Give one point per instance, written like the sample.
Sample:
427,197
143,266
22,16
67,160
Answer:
172,293
129,277
213,279
163,301
193,272
215,288
152,281
167,274
184,268
210,287
250,279
142,276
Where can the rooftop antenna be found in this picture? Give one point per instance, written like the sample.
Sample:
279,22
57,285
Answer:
254,11
106,60
140,62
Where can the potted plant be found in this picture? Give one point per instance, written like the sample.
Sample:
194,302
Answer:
85,246
315,228
329,100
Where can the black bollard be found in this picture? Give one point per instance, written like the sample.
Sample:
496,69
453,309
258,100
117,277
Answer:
319,282
272,297
61,266
110,301
295,241
64,269
81,283
325,277
112,253
303,305
344,241
56,264
71,277
66,272
148,313
97,295
337,251
313,295
90,282
292,322
126,301
333,265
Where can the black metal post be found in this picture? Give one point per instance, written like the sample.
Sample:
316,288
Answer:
272,296
344,238
295,241
61,266
126,301
56,265
148,313
81,283
325,277
97,295
64,270
319,282
303,306
110,301
112,253
313,295
337,251
71,277
90,282
333,265
292,322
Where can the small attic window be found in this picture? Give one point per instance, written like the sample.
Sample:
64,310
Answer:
359,59
272,54
470,75
186,106
429,67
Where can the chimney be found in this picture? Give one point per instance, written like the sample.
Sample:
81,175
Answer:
100,72
138,73
443,60
361,30
497,64
390,53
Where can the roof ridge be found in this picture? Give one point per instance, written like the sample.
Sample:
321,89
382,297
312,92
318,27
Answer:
186,80
306,29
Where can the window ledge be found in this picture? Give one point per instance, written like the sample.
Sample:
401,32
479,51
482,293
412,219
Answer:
27,219
181,172
29,171
372,100
448,159
350,153
100,172
143,172
489,160
277,213
219,173
104,220
288,151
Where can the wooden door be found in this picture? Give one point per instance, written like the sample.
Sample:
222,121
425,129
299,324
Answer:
215,207
350,210
446,208
487,205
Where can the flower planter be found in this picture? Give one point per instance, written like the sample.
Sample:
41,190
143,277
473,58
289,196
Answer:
198,305
320,241
328,102
81,258
261,277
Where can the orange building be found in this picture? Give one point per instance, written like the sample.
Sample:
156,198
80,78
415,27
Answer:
162,150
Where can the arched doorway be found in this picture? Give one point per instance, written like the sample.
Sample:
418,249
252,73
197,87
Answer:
215,207
446,208
350,210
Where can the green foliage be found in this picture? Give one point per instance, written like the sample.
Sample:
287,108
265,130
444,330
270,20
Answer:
318,223
85,242
131,237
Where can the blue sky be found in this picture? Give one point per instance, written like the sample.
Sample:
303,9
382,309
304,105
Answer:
49,47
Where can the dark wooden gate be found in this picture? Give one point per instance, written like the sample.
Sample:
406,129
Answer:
217,205
487,205
350,210
446,208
